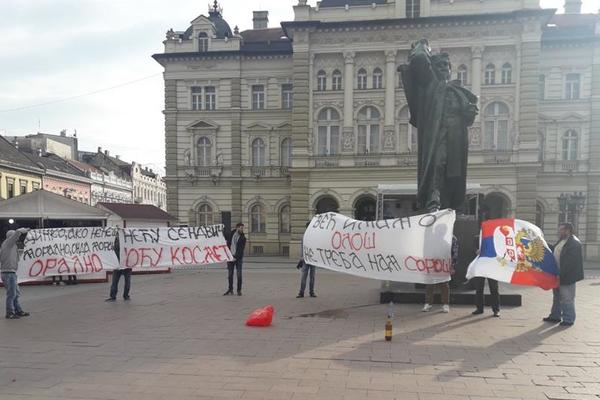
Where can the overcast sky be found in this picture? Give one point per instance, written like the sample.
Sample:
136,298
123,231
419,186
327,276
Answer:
57,49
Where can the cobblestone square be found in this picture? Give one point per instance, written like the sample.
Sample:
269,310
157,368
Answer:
179,338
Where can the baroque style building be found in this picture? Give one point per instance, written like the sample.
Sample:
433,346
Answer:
272,125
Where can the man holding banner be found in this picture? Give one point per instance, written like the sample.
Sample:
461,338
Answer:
9,264
116,276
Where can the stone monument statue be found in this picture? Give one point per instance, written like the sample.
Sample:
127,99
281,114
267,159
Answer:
442,111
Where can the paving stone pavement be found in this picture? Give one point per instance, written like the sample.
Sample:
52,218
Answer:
180,339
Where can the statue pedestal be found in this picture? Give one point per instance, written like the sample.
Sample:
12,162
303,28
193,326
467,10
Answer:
409,293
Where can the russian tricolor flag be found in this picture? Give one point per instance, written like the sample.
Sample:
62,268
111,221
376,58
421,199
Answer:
514,251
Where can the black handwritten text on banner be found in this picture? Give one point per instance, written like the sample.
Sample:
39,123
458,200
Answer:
412,249
153,248
67,251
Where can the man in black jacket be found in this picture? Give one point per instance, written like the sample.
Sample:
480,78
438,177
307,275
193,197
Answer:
569,256
236,241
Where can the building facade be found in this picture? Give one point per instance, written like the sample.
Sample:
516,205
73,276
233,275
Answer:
111,181
18,173
275,125
148,186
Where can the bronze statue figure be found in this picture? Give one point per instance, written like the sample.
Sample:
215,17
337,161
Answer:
441,110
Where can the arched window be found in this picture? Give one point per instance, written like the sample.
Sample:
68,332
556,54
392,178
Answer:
258,153
377,78
321,80
204,215
257,219
326,204
496,126
407,130
490,74
203,151
506,74
365,208
539,215
570,144
362,79
328,132
202,42
286,152
462,75
285,220
413,8
336,80
368,130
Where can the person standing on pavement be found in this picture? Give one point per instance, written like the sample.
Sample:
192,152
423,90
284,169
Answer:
569,257
307,269
443,286
9,264
480,292
116,276
236,241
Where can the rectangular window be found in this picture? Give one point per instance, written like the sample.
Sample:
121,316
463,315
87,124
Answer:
506,76
413,8
196,98
542,87
573,86
22,186
35,186
490,77
336,82
258,97
287,96
210,98
10,188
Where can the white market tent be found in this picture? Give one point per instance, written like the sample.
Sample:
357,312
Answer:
42,206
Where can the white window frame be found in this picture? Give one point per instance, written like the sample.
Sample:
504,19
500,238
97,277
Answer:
369,124
570,145
258,159
204,215
287,96
321,81
328,124
507,74
285,152
361,79
572,86
495,119
462,75
490,74
210,98
337,81
377,78
261,220
258,97
413,8
203,151
196,98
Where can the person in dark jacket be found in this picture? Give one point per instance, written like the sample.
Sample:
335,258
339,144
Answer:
479,283
569,256
236,241
306,269
116,277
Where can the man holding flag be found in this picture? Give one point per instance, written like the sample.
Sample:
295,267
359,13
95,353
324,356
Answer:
569,257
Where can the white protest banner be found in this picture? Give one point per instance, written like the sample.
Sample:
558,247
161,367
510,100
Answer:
412,249
67,251
153,248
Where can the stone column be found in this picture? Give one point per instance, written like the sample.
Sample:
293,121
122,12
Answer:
389,143
592,238
476,55
171,152
237,212
348,129
527,169
300,195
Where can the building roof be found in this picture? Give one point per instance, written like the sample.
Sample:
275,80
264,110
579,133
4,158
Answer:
52,162
137,211
106,163
342,3
43,204
84,167
571,27
10,156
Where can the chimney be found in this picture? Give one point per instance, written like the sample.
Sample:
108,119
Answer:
99,149
118,157
261,19
106,153
573,6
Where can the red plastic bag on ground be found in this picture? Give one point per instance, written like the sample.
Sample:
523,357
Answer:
261,317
